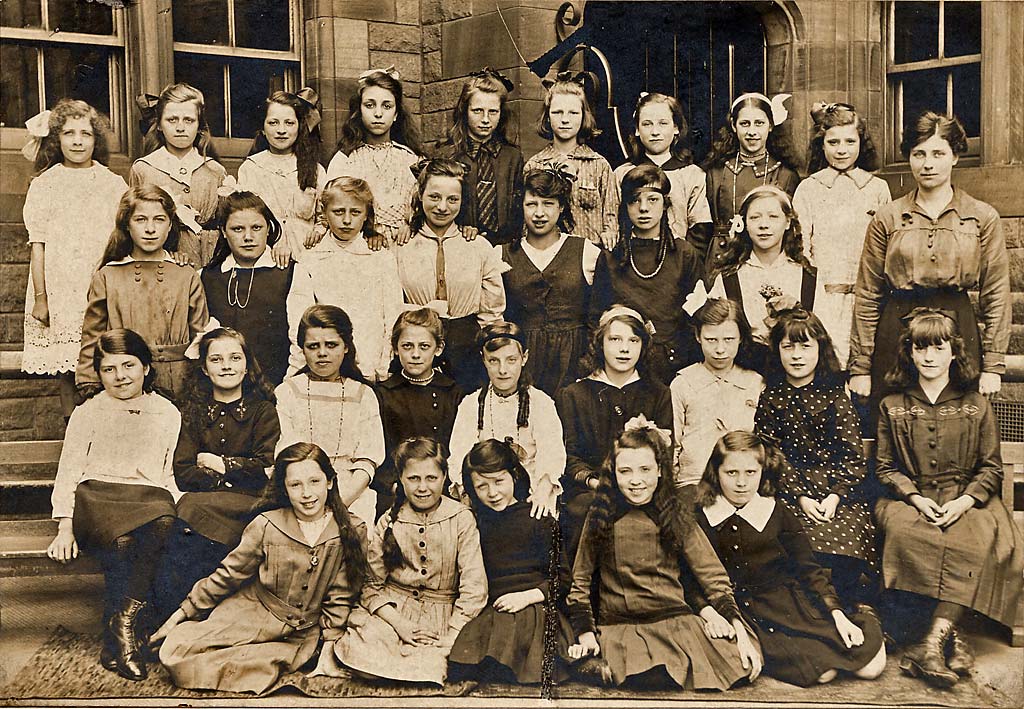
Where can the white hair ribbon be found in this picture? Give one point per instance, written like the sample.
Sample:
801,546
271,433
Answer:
696,300
777,103
38,128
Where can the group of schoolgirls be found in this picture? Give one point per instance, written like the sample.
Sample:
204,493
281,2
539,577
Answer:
648,480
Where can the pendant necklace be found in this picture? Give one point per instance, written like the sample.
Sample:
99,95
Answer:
341,415
233,281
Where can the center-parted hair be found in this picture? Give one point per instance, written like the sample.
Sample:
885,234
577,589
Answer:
491,338
307,145
275,496
726,145
120,243
483,83
638,179
122,341
673,517
722,310
680,146
799,325
494,456
773,464
354,133
834,116
437,167
588,126
355,187
409,450
332,317
740,248
239,202
925,329
180,93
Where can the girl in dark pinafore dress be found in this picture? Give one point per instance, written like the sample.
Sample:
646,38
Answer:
548,288
805,408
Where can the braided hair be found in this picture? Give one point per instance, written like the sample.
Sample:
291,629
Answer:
411,449
492,338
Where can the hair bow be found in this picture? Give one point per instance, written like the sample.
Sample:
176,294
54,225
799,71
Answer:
147,104
640,423
820,109
418,167
644,94
777,103
735,224
622,310
187,215
228,187
311,98
696,299
515,447
768,439
38,128
925,310
560,171
497,76
390,71
579,77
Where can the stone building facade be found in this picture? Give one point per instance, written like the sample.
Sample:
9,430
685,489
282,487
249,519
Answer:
857,51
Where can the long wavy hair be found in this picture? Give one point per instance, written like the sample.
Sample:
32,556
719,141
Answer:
593,361
799,325
924,330
639,178
673,516
239,202
307,145
199,392
771,459
180,93
120,243
494,456
354,133
437,167
725,144
332,317
588,127
680,147
458,134
275,496
840,115
122,341
409,450
50,153
742,246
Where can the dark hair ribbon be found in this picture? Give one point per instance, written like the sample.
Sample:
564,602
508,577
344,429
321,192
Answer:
924,310
147,104
497,76
310,98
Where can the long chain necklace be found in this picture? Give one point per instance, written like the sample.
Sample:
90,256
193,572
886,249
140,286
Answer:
752,164
233,280
491,395
662,256
341,415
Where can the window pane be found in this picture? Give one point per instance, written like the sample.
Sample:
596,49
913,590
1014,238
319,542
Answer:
207,75
252,80
967,97
263,24
19,87
21,13
915,31
924,91
77,71
963,28
201,21
78,16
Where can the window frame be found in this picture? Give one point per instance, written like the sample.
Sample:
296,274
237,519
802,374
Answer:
227,146
117,67
893,82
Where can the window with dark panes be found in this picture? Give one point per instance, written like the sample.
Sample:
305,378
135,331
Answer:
934,64
54,49
237,52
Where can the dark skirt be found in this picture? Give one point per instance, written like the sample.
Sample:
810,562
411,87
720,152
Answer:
461,358
188,556
800,641
513,640
890,327
555,357
105,511
220,516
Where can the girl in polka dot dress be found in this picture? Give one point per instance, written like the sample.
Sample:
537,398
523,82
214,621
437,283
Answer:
805,408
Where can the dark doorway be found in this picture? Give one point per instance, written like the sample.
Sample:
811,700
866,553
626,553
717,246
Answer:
703,53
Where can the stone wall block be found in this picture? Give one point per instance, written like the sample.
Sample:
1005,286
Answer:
12,204
12,329
441,95
407,11
409,66
1013,232
351,48
14,246
394,38
431,38
1017,302
432,11
1016,270
365,9
13,282
432,66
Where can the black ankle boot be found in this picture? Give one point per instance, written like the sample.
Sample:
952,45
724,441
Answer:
960,658
108,652
127,661
927,658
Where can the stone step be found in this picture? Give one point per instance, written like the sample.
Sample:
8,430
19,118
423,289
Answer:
23,545
28,463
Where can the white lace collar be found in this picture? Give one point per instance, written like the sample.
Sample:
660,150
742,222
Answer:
757,512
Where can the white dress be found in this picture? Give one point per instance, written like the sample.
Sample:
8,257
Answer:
386,169
71,211
275,178
834,210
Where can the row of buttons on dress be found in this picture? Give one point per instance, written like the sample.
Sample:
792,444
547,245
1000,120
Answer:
423,558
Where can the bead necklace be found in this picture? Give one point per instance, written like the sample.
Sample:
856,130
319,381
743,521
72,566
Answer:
662,256
233,280
422,382
752,164
341,415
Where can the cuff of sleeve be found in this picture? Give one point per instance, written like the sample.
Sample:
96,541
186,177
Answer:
832,603
860,365
191,611
993,362
581,618
978,492
374,605
906,489
726,607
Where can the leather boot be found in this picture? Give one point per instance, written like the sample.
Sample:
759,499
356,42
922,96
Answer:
128,663
108,659
960,658
927,658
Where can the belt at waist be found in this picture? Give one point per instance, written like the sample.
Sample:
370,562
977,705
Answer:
839,288
428,594
168,353
289,615
917,292
946,479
